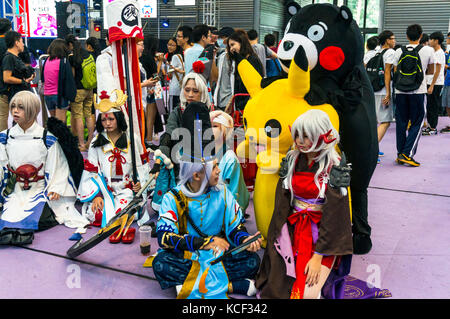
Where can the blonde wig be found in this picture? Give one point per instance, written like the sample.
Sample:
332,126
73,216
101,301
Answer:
30,103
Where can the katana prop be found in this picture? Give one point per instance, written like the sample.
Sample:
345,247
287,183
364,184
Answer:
121,221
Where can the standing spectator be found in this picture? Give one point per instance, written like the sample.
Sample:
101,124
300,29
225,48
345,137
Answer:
263,52
175,72
16,75
184,34
435,83
152,117
57,77
214,36
273,66
225,81
410,104
200,37
383,97
5,26
93,47
371,47
239,47
82,106
425,39
446,89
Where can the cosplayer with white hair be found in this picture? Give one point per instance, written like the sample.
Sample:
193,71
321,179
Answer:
199,221
313,125
37,190
300,257
200,84
230,169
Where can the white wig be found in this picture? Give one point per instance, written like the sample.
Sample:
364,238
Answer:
200,83
313,124
187,170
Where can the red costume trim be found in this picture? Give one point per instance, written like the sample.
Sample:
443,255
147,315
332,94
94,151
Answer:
117,156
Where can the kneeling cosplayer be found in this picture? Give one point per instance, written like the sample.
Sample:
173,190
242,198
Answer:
310,233
199,221
37,190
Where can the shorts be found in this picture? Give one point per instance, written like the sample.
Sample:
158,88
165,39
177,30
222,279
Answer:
151,99
385,114
446,96
52,103
82,106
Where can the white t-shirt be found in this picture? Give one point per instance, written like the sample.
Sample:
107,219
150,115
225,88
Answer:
369,55
175,85
426,57
439,58
388,58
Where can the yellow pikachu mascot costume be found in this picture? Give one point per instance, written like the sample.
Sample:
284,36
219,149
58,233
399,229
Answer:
274,116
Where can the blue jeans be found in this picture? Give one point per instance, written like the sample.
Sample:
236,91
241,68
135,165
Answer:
52,103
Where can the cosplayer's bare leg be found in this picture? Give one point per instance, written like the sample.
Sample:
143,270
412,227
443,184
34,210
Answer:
313,292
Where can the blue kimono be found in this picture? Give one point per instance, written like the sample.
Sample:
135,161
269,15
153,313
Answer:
182,259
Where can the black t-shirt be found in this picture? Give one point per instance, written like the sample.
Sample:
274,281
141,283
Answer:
19,70
77,66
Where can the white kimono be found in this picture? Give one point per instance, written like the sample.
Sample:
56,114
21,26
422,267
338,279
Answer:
102,176
23,208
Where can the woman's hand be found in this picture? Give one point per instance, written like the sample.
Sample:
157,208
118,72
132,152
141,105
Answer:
97,204
136,187
53,196
312,270
218,244
256,245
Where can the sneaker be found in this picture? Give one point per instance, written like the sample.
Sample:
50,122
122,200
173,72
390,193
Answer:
426,131
378,161
445,129
433,131
403,159
380,154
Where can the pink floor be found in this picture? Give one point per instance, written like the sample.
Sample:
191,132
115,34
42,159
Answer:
409,211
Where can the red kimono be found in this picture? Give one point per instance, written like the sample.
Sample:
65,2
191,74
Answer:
297,231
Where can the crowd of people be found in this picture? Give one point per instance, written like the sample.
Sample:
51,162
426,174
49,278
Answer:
202,213
412,93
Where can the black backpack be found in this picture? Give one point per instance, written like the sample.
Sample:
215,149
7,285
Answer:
409,74
375,71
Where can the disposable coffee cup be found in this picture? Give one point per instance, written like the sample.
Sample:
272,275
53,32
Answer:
145,233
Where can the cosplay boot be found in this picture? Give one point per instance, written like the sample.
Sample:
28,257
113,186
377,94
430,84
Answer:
98,219
23,237
362,244
7,236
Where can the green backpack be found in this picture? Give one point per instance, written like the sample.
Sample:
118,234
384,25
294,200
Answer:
89,79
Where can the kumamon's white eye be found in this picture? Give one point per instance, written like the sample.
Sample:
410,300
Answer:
316,33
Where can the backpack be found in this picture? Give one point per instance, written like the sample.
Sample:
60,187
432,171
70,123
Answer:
375,71
89,79
409,74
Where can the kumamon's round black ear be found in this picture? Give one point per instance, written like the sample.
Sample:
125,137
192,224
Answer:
345,14
292,8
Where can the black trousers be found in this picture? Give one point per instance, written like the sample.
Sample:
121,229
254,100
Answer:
434,105
409,107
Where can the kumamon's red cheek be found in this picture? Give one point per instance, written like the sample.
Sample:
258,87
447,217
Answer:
331,58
